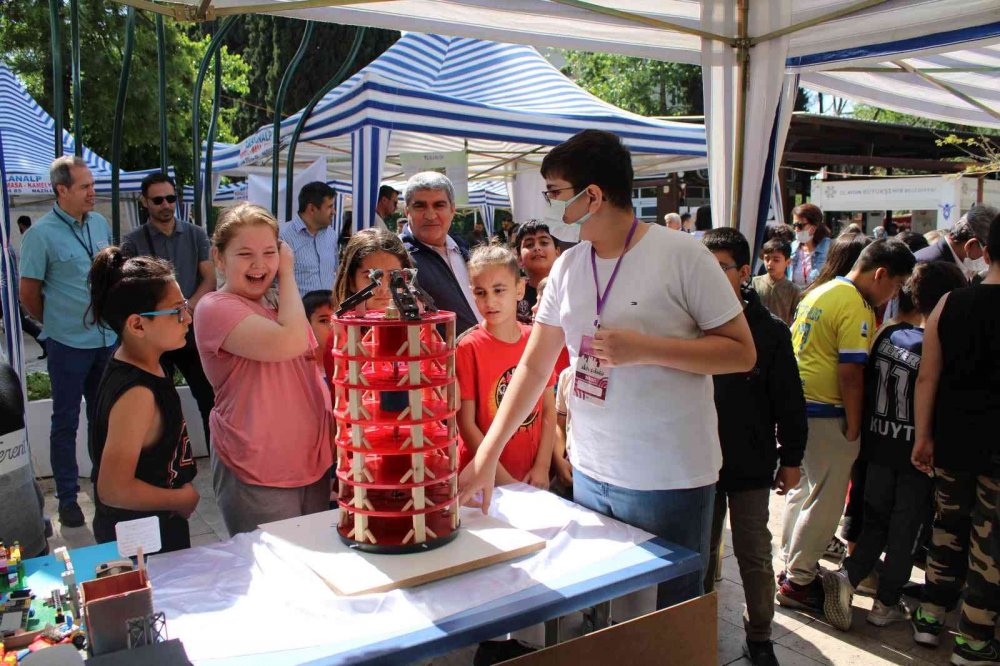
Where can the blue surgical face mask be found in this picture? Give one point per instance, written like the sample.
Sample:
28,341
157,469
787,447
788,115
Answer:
553,218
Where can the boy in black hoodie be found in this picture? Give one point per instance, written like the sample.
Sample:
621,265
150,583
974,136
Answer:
752,407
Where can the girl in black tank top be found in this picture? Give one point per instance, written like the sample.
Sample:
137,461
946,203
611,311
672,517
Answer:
142,456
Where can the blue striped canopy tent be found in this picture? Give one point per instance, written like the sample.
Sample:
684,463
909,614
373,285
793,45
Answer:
502,104
28,130
488,196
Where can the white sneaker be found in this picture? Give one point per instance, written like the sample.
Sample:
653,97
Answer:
837,596
881,615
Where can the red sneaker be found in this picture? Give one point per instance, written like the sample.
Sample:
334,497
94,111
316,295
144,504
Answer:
804,597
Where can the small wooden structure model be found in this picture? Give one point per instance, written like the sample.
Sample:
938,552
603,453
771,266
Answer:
396,398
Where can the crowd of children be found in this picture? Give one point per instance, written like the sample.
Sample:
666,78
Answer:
795,387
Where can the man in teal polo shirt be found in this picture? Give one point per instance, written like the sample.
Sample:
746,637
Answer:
56,254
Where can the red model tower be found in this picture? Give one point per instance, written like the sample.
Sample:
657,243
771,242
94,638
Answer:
397,462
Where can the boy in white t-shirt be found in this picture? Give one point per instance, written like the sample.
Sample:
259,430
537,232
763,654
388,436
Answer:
645,313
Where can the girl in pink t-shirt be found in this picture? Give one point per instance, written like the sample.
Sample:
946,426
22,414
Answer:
271,424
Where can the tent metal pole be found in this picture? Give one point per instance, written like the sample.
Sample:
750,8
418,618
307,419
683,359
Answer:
57,74
508,161
196,114
289,6
817,20
213,126
185,12
161,66
949,88
743,55
921,70
74,22
279,104
646,20
116,131
203,8
359,36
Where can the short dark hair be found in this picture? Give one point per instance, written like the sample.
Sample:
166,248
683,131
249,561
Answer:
928,284
776,245
703,218
315,193
24,221
727,239
913,240
531,228
386,192
993,240
155,179
974,225
888,253
685,217
594,157
315,299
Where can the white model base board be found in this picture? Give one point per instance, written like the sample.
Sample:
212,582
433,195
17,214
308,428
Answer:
313,540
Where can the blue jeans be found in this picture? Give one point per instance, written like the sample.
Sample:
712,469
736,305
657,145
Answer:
683,517
74,373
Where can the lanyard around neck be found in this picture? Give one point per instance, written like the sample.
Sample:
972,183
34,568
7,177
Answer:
89,245
602,298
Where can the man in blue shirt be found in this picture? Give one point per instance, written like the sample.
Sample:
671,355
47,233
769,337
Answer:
312,238
56,254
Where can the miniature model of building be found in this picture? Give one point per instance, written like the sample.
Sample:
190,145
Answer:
396,400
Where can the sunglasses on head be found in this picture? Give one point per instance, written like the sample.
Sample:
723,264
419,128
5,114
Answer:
156,201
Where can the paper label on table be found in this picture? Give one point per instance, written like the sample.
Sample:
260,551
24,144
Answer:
132,534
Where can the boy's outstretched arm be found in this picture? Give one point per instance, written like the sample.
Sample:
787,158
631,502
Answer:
925,393
530,379
540,472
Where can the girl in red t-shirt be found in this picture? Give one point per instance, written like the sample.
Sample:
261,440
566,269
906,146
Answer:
485,361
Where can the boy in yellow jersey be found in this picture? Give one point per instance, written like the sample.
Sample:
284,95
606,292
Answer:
833,329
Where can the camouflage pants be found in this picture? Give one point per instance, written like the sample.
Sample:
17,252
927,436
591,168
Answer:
965,506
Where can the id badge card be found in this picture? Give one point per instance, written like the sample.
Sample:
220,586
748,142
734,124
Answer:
591,377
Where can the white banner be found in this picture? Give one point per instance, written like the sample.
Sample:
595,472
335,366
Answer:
454,164
13,451
259,187
26,184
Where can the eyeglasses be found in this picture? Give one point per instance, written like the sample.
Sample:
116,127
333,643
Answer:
727,267
798,226
156,201
185,307
555,190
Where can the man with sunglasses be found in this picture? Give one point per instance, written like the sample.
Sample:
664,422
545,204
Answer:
185,246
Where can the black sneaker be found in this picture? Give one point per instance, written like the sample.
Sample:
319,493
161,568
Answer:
966,655
493,652
926,629
70,515
760,653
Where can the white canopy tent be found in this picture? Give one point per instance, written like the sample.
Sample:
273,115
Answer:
501,104
960,86
745,47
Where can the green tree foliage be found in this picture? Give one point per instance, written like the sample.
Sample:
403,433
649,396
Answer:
267,44
643,86
26,47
